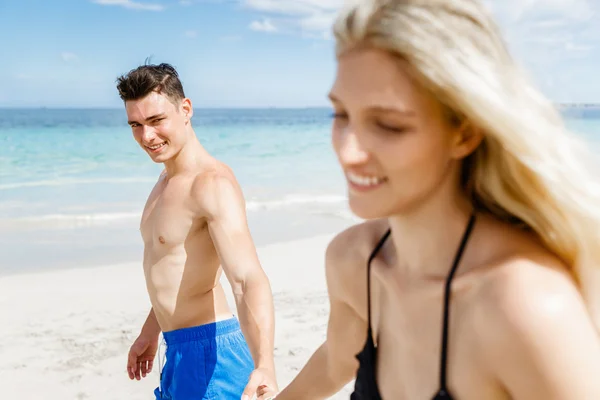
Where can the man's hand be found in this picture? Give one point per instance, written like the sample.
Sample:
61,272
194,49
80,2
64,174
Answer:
268,395
141,357
262,384
265,393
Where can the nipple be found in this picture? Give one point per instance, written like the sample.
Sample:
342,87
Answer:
161,239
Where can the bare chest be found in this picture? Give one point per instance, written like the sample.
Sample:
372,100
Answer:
167,220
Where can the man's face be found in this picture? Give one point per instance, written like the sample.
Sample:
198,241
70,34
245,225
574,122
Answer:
159,125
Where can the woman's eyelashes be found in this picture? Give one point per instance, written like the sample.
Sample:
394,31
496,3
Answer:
377,123
338,115
391,128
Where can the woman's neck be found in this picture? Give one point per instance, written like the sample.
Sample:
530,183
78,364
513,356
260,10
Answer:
426,240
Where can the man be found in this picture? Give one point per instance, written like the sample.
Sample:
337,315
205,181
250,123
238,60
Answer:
194,227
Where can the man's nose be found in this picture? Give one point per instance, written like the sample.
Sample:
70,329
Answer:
148,133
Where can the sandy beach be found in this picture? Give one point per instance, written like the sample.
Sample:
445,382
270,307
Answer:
66,333
72,290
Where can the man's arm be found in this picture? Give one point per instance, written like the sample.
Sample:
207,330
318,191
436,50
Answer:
540,342
223,202
334,363
140,359
150,327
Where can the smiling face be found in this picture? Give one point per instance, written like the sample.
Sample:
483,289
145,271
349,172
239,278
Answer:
158,125
394,141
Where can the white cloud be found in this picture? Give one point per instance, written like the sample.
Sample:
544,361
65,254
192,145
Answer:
520,19
294,7
546,25
185,2
548,37
539,32
263,26
313,17
69,57
550,23
578,47
131,4
191,34
317,22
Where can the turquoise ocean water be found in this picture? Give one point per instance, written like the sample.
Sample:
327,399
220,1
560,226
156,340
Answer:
73,182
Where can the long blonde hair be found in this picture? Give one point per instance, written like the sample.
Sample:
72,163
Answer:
529,168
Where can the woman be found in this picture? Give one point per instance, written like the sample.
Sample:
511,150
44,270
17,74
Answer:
475,273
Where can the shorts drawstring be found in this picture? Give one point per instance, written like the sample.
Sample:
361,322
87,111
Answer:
161,364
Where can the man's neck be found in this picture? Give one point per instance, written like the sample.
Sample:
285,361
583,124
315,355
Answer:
426,240
189,158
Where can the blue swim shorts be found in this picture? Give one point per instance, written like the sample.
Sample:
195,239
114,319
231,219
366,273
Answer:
207,362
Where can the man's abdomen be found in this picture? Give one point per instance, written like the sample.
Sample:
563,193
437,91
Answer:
185,295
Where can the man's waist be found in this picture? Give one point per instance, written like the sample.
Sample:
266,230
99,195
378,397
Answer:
184,311
205,331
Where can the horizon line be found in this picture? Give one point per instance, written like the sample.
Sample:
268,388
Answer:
120,108
559,104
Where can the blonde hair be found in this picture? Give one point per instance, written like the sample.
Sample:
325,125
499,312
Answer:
529,167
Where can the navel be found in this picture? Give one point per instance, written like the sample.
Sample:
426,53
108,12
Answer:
161,239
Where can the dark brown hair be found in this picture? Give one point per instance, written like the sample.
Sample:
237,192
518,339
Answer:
145,79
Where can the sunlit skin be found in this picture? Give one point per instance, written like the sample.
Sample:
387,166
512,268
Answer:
395,135
156,121
519,328
194,227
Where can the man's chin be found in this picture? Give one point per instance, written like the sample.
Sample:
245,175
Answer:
158,157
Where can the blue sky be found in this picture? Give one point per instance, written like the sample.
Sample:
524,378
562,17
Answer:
247,53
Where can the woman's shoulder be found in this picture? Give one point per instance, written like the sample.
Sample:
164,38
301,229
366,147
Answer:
346,259
532,320
526,296
528,285
352,246
515,263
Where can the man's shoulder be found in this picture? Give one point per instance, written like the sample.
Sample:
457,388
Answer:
215,187
213,178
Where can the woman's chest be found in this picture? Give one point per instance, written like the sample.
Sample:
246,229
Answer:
413,352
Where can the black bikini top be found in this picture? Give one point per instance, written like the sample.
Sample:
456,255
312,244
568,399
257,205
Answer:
365,387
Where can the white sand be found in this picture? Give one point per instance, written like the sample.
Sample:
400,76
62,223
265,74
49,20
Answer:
66,334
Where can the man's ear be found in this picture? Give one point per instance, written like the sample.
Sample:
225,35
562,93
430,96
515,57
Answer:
187,109
467,138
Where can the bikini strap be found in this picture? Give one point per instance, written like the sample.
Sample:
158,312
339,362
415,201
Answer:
446,316
371,257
